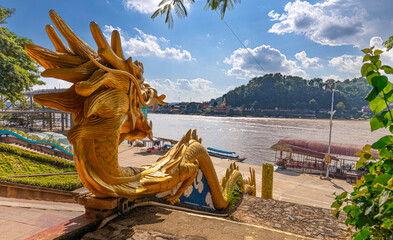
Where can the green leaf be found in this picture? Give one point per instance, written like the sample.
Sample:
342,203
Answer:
155,14
379,82
387,69
384,197
366,50
369,210
387,88
389,96
377,105
382,142
367,148
366,58
376,123
378,52
372,94
360,162
344,194
374,59
378,64
387,115
382,179
366,68
363,234
370,75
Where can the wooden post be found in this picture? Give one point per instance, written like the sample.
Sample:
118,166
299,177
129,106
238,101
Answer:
50,121
267,181
71,121
43,121
62,122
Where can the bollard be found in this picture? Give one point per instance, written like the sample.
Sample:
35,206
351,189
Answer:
267,180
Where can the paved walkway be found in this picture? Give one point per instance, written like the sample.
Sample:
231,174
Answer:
20,218
155,223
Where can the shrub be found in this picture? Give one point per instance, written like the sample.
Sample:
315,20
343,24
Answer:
369,208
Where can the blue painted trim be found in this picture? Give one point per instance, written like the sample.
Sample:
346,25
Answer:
53,145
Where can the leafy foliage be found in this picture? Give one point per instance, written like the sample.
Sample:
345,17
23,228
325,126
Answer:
389,43
11,164
60,182
369,208
5,13
166,6
289,92
235,195
58,162
18,72
16,161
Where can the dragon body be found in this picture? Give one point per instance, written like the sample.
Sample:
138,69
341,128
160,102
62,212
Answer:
105,100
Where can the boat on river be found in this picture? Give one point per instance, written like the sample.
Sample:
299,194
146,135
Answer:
225,154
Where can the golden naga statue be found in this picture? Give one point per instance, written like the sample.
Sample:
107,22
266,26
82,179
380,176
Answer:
105,100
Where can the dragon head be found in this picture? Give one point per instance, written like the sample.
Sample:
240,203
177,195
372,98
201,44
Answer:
105,84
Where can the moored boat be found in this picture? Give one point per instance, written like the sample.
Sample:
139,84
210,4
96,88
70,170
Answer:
225,154
311,157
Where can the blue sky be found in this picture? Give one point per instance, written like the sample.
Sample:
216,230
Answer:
200,58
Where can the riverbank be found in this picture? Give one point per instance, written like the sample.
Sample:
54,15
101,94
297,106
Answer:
288,186
289,114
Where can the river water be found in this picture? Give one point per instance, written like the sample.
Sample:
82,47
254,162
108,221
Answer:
253,137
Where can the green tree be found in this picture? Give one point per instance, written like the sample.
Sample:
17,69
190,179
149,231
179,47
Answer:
313,104
165,7
340,107
369,208
18,72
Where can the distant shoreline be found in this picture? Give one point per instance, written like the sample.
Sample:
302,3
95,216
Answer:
259,117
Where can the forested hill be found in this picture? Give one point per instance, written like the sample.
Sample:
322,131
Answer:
288,92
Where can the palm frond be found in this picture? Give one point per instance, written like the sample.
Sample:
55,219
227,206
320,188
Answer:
166,6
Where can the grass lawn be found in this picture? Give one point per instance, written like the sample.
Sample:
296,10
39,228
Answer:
16,161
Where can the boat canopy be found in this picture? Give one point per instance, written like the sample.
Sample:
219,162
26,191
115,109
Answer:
318,148
220,151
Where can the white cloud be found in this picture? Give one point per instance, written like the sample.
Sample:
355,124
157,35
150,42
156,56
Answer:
335,22
146,6
198,89
246,42
332,76
271,60
386,57
273,15
142,6
347,63
145,45
306,61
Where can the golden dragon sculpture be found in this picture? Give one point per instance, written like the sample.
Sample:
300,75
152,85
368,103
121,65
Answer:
105,100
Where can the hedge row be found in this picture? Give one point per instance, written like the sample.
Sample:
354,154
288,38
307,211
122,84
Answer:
36,156
12,164
61,182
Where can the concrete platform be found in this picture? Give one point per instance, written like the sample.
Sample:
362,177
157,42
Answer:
161,223
20,219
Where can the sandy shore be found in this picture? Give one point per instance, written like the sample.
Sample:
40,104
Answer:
288,186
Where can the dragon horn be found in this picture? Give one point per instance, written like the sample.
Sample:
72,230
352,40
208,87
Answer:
116,44
194,135
105,51
56,40
77,45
